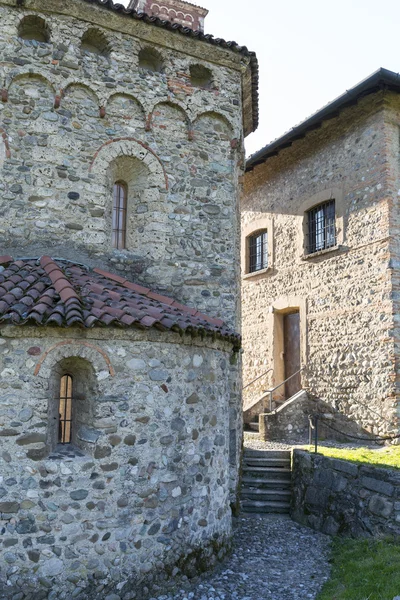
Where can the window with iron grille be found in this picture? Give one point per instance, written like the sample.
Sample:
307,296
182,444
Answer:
321,227
258,251
65,410
120,197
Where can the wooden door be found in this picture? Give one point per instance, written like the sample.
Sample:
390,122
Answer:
291,337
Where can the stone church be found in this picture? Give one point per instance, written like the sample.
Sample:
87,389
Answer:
320,268
120,412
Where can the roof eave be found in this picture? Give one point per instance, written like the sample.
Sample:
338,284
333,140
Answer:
381,79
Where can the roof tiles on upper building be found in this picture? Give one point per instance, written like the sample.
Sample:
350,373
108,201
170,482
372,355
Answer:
62,293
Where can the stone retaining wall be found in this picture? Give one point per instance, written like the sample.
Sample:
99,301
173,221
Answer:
339,497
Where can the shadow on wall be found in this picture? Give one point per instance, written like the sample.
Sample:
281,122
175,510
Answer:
291,422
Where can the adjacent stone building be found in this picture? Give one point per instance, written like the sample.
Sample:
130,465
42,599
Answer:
120,421
320,263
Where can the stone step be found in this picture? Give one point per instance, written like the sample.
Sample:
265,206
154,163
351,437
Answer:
266,454
269,473
276,483
265,507
265,495
267,462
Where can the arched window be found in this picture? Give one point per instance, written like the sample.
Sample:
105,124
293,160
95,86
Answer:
120,197
151,60
201,77
35,28
71,407
65,410
95,42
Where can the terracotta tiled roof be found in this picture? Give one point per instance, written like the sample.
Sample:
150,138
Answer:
204,37
62,293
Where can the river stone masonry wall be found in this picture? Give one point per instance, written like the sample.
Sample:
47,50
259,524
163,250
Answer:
347,295
339,497
74,121
147,489
144,490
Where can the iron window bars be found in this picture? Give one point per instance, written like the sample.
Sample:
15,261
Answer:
321,227
65,410
120,193
258,251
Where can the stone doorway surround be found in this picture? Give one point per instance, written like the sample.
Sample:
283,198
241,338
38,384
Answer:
277,311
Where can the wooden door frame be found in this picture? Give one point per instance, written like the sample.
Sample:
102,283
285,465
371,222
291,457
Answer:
278,309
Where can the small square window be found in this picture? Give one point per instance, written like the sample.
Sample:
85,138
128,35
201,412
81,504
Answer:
258,251
321,227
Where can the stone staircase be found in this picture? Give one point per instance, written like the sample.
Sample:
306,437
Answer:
266,481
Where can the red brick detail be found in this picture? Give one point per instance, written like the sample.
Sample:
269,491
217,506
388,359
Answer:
79,343
6,143
211,320
136,288
131,139
57,101
180,84
191,135
111,276
102,112
160,298
149,122
234,143
4,95
34,351
4,260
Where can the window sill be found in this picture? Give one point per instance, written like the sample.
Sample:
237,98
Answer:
257,273
322,252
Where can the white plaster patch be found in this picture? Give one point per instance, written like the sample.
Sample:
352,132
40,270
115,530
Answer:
7,373
103,375
197,360
176,492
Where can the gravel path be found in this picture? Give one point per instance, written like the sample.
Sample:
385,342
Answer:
273,559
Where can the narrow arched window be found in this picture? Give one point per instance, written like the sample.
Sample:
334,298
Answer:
65,410
120,196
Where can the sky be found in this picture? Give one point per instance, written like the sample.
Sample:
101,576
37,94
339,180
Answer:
309,51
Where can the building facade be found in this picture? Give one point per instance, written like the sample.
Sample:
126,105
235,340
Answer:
320,263
120,421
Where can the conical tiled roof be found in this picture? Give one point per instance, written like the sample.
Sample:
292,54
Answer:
57,292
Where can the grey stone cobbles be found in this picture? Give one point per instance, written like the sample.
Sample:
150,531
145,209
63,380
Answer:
273,558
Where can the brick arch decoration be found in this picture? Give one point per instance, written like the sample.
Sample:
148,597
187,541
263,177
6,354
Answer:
124,94
77,83
217,116
26,73
74,348
129,146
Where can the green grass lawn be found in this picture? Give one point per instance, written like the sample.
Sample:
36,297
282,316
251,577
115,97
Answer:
363,570
387,456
